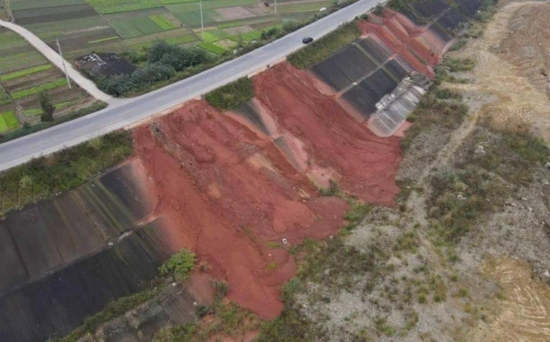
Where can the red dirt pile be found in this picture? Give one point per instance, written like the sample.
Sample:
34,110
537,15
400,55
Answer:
365,164
406,39
227,193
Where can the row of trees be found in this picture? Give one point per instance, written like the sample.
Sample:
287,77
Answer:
163,61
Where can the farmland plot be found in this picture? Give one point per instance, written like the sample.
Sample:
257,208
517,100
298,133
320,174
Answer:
28,4
53,14
8,121
136,27
117,6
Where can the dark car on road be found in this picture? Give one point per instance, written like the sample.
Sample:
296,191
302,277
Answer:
307,40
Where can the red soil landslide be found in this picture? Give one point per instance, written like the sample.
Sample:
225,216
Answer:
406,39
229,194
366,164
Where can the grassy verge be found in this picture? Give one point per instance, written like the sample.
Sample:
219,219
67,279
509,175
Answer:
43,125
62,171
324,47
231,95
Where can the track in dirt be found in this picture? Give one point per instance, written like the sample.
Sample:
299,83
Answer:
231,194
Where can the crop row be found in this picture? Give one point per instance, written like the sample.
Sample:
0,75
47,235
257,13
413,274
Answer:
163,22
25,72
212,48
38,89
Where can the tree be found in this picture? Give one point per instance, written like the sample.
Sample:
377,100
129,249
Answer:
47,107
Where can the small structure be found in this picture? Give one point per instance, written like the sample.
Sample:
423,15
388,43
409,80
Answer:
104,64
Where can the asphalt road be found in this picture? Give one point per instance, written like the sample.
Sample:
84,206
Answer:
131,112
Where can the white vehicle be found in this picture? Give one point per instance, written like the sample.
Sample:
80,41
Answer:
323,9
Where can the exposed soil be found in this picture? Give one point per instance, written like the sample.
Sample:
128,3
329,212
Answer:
227,192
363,164
510,58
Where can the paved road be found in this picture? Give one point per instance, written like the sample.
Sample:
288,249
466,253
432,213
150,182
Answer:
56,60
133,111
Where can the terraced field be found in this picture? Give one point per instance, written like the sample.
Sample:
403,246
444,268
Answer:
25,73
83,26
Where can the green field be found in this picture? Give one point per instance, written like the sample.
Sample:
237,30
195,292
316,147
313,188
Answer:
24,72
135,27
26,4
15,62
38,89
218,50
193,18
118,6
163,22
8,121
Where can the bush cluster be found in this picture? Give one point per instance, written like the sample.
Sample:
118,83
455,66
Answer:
163,61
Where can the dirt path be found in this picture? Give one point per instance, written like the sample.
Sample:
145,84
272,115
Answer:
520,105
56,60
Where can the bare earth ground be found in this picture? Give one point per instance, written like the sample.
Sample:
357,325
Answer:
491,284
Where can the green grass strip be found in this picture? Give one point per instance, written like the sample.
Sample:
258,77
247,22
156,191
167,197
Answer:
24,72
38,89
211,47
163,22
323,48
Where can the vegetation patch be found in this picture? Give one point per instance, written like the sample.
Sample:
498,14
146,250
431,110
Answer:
439,107
163,22
4,97
25,72
8,121
179,265
231,95
38,89
211,47
323,48
47,176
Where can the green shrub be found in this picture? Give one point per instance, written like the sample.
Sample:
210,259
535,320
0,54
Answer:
179,265
231,95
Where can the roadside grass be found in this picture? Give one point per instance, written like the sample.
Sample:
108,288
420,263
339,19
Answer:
231,95
322,49
38,89
25,72
8,121
61,171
